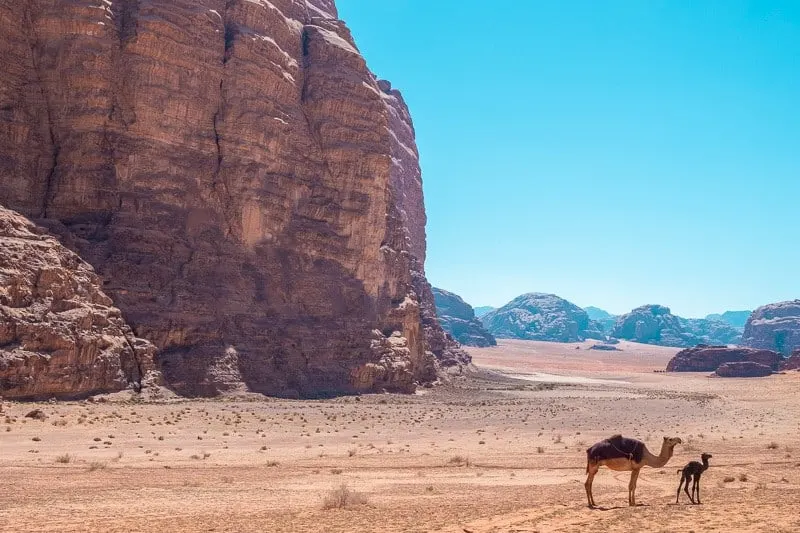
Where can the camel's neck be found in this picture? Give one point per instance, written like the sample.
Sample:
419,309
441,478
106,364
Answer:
657,461
705,464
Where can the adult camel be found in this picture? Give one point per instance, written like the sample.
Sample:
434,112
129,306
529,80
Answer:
623,454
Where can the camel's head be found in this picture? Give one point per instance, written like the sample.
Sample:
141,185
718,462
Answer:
706,456
672,441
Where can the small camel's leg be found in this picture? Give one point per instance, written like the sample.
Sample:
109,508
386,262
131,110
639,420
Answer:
678,495
592,471
697,482
632,486
686,488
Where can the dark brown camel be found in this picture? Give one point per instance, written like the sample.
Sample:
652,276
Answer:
692,471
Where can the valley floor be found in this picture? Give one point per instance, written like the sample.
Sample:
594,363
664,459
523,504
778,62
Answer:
486,454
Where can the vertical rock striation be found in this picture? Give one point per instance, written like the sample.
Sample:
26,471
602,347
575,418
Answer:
248,190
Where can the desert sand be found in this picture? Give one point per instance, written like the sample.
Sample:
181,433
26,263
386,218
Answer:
500,451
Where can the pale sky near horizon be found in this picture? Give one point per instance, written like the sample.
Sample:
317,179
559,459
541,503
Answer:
615,153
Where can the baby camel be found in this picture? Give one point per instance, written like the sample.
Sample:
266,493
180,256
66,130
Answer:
692,471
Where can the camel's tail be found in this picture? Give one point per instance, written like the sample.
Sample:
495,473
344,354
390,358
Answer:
680,470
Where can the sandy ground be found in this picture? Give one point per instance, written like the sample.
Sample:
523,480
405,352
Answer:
486,454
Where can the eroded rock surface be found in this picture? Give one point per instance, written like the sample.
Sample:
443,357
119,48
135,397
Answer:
60,334
792,362
248,189
708,358
774,327
743,369
544,317
458,319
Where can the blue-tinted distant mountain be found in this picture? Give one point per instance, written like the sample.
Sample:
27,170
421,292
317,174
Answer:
605,319
655,324
595,313
483,310
542,317
736,319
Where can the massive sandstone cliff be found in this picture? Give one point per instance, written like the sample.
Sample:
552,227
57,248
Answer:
247,189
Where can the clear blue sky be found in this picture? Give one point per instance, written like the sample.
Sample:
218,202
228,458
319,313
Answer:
615,153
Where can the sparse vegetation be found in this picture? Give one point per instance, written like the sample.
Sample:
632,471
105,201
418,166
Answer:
459,460
96,465
343,498
64,459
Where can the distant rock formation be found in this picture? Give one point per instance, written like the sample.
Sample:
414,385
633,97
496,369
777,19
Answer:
655,324
483,310
544,317
60,334
743,369
793,362
737,319
458,319
605,348
708,358
603,318
774,327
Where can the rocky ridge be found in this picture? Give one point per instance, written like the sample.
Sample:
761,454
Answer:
60,334
247,189
458,319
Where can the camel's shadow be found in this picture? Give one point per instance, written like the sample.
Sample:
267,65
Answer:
616,507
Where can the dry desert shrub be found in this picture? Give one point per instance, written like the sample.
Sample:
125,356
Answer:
459,460
728,479
343,498
96,465
66,458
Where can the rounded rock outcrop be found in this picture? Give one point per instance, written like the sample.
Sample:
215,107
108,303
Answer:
774,327
543,317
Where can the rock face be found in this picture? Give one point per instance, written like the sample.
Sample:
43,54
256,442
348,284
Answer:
60,335
655,324
774,327
458,319
792,362
247,188
544,317
744,369
708,358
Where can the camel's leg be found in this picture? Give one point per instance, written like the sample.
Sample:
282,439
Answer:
592,471
697,482
678,495
632,486
686,488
